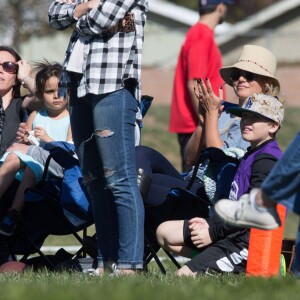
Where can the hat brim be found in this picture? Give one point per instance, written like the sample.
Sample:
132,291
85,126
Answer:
238,112
246,66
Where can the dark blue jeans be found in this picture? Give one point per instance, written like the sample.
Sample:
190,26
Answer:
103,130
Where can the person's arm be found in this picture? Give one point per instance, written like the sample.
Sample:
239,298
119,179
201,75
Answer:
30,120
83,8
69,137
206,133
105,16
30,102
191,85
212,105
24,75
194,145
61,14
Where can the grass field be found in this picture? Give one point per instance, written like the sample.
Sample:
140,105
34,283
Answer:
153,285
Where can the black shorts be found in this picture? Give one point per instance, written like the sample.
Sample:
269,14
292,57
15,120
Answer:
227,255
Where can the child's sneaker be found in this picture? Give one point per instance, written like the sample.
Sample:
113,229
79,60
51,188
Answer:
242,213
9,223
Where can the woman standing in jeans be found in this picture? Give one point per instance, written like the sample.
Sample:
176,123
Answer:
103,62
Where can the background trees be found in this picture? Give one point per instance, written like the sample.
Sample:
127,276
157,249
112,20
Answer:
20,19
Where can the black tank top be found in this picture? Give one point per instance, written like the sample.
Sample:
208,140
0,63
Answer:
14,114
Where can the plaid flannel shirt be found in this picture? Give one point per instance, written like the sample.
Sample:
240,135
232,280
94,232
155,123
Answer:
108,59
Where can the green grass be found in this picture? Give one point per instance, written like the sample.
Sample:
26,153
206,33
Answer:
44,285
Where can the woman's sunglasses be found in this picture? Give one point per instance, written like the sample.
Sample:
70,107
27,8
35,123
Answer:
9,67
236,74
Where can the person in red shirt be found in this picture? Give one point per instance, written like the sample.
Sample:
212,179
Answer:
199,57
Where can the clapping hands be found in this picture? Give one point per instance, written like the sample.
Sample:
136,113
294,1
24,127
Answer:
208,100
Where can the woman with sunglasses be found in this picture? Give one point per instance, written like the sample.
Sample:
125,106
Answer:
253,73
13,73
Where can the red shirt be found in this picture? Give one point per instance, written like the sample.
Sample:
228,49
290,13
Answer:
199,58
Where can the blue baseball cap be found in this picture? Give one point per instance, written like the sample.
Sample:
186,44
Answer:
203,3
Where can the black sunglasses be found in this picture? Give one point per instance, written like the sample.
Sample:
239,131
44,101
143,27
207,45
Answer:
9,67
236,74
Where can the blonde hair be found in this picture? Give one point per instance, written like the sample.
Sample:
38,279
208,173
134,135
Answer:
274,91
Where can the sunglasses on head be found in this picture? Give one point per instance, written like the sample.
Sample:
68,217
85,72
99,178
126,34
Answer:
9,67
236,74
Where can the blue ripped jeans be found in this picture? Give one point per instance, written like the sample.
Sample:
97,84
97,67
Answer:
283,185
103,131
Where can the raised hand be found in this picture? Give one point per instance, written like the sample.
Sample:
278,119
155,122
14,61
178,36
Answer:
24,69
208,100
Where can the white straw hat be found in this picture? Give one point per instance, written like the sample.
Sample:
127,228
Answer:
255,59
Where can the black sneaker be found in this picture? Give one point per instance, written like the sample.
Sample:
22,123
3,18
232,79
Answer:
9,223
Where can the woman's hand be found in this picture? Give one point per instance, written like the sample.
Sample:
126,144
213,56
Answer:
208,100
22,133
24,69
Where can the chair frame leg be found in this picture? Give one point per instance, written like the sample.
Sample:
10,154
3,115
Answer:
175,262
153,254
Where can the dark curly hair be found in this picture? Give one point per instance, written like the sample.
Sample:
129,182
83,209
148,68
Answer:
17,87
45,70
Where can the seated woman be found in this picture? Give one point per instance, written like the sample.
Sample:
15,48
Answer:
254,72
211,245
13,71
45,125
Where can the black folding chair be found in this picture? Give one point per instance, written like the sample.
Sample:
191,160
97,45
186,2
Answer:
182,203
48,212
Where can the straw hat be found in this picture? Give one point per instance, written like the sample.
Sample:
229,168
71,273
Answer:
255,59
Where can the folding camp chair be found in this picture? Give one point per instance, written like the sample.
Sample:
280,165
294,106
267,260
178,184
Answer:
182,203
53,207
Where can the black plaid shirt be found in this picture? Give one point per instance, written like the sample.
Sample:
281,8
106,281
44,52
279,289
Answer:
108,60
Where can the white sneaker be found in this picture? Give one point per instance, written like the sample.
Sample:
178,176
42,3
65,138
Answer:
242,213
92,272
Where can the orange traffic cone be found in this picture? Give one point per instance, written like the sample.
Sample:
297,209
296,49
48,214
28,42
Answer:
265,249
